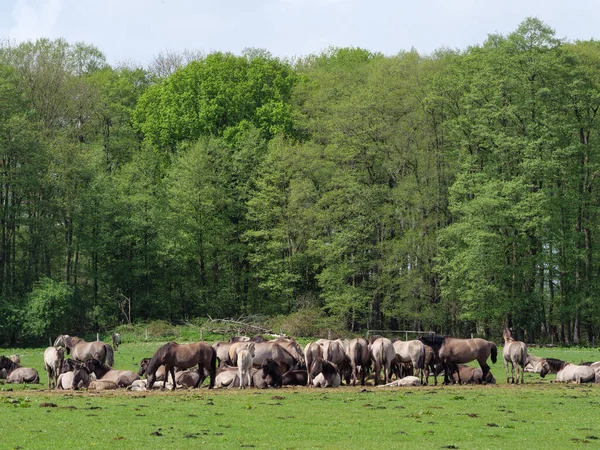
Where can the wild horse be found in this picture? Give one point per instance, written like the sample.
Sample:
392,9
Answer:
452,351
184,356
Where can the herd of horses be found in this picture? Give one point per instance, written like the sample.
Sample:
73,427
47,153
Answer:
243,362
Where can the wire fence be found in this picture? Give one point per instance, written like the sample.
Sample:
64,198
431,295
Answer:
406,333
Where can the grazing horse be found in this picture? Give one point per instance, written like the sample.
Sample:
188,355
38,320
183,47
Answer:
160,372
383,355
123,378
244,363
411,352
324,374
360,359
53,363
82,350
515,354
184,356
452,351
116,340
312,351
17,374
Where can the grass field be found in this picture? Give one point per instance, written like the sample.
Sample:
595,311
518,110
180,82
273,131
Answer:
539,414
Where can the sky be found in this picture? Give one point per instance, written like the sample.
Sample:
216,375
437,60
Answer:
136,31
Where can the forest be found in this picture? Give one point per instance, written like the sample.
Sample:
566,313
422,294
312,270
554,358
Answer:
456,192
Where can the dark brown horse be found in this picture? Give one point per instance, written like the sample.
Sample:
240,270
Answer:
183,356
452,351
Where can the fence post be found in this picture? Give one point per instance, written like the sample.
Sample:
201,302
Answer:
97,336
329,333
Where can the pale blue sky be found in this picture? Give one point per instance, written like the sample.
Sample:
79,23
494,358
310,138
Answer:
137,30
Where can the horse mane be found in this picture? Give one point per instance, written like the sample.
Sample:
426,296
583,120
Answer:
158,358
435,341
555,364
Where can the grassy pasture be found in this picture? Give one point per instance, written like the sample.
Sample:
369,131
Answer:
537,415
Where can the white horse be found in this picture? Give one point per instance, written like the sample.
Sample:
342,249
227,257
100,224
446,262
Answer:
53,362
578,374
245,360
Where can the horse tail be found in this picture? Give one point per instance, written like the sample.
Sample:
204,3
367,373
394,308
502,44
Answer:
421,360
494,351
110,355
358,352
213,368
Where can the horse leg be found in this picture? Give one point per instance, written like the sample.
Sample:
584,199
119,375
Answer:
172,377
485,369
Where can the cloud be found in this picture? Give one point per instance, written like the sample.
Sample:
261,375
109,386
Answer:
35,19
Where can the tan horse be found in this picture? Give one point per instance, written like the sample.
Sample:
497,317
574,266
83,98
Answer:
82,350
312,351
184,356
515,354
412,352
452,351
383,355
360,359
53,362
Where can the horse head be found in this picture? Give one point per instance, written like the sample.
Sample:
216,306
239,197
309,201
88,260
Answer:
507,335
81,373
5,363
545,368
143,366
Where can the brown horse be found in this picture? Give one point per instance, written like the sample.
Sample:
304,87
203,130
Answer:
83,350
515,354
452,351
183,356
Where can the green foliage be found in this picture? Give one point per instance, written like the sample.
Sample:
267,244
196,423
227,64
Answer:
456,192
49,310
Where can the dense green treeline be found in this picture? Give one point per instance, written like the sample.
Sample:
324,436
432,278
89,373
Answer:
456,192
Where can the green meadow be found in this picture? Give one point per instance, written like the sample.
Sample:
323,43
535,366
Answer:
537,415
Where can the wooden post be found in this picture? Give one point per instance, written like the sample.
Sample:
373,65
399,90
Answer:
146,334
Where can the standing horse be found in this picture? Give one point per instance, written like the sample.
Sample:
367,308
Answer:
383,355
183,356
515,354
116,340
53,362
312,351
83,350
411,352
244,363
452,351
360,359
